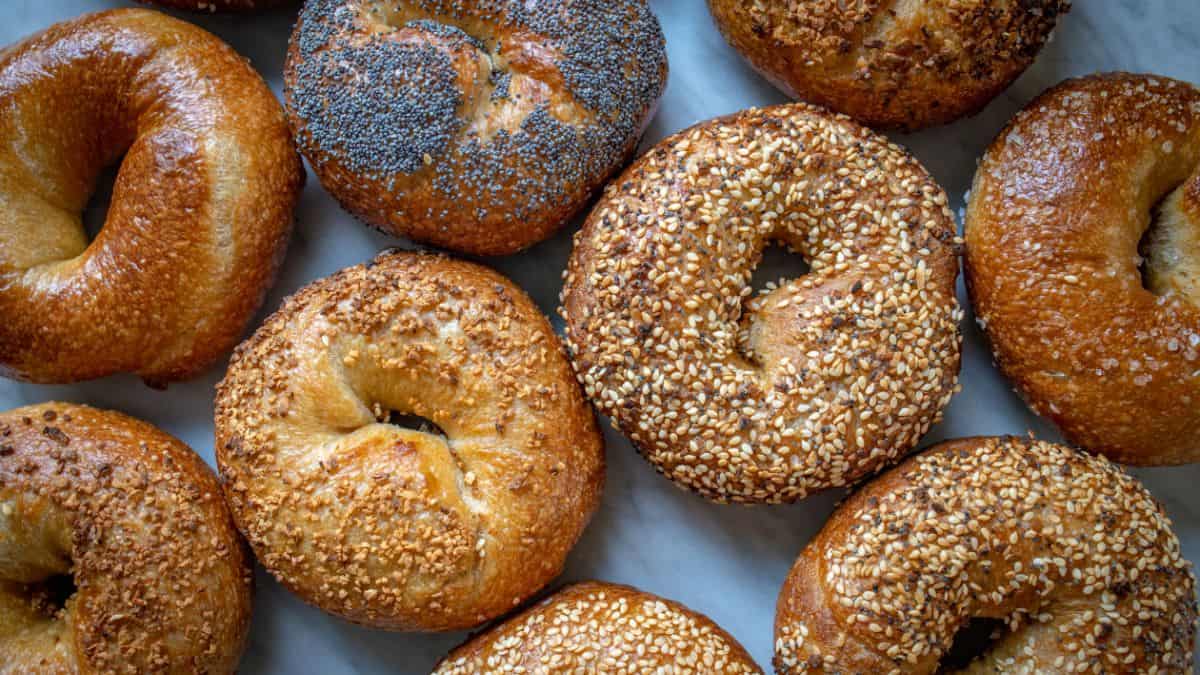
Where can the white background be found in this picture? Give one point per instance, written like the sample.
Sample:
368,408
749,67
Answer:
725,561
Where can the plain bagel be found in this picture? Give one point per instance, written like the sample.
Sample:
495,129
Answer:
1083,262
808,386
596,627
201,208
438,528
1070,557
117,552
478,126
894,64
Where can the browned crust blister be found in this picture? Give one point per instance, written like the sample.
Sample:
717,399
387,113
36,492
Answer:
392,527
1053,224
139,521
890,64
602,627
1072,554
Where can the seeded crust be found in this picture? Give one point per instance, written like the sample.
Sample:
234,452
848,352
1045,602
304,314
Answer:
1072,553
596,627
476,125
393,527
1053,224
807,386
201,209
220,5
891,64
138,520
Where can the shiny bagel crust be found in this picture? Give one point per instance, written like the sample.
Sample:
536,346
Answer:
1056,230
162,581
395,527
806,386
1071,553
602,627
201,208
890,64
480,126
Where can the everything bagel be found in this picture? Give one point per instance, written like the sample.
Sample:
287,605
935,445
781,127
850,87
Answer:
1083,262
435,529
117,552
474,125
889,63
805,387
1072,555
201,208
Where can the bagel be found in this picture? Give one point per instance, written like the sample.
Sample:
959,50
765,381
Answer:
201,209
435,529
1058,206
1072,556
220,5
804,387
117,552
479,126
600,627
887,63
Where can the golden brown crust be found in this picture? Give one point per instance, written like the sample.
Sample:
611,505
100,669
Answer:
903,64
806,386
163,580
202,205
392,527
596,627
1074,554
476,126
1058,206
221,5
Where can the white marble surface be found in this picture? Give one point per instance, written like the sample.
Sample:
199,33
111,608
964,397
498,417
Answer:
725,561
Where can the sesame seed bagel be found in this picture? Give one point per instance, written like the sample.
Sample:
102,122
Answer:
806,386
1069,553
117,552
894,64
1097,332
596,627
476,125
434,529
201,208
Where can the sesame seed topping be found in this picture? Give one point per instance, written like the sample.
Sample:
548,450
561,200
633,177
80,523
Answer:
1071,552
606,628
808,385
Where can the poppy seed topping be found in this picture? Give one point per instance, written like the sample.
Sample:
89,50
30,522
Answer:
479,126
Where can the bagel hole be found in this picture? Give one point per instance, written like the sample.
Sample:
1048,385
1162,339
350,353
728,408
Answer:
778,263
1157,246
407,421
50,595
972,641
1146,244
95,212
